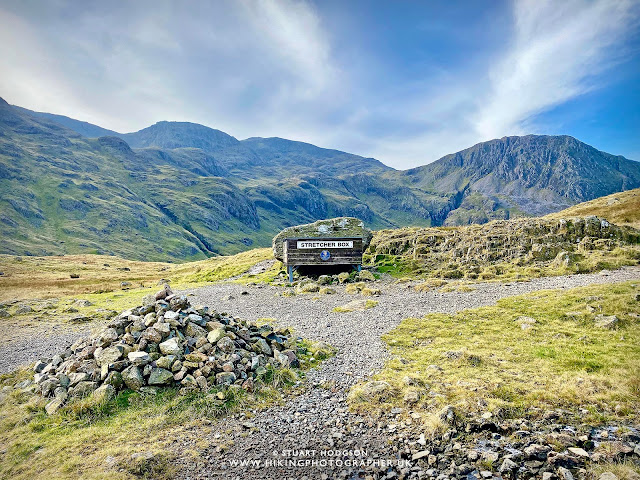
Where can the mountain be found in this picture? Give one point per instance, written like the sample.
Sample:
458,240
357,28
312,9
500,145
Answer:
178,190
535,174
170,135
83,128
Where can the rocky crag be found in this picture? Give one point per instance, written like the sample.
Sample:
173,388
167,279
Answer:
165,342
521,241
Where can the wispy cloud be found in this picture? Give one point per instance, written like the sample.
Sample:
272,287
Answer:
273,68
247,67
559,50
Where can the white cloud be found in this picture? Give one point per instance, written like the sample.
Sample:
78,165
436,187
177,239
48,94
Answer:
245,67
294,31
558,51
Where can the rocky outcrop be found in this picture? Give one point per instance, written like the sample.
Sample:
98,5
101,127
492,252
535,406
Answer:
331,228
556,447
521,240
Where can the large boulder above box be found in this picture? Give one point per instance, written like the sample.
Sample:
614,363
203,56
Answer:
340,227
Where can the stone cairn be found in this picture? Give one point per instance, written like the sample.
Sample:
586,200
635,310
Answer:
165,342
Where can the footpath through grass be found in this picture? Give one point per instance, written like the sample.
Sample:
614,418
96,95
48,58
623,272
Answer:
524,356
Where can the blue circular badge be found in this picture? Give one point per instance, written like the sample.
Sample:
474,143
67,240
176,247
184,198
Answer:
325,255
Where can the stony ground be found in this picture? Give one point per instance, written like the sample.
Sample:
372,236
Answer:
286,441
309,433
22,344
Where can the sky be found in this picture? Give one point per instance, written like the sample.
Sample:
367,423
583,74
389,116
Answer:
405,82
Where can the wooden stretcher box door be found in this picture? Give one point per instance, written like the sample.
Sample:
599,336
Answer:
313,251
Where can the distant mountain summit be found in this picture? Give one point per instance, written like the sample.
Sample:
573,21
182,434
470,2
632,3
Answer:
536,173
179,190
170,135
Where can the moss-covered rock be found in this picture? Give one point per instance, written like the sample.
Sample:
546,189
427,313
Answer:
484,251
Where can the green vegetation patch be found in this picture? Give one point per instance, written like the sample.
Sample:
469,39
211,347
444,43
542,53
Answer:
524,355
355,305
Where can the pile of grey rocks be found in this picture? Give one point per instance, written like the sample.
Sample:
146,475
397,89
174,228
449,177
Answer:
557,446
165,343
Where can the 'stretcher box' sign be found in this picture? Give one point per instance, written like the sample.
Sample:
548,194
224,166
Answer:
325,244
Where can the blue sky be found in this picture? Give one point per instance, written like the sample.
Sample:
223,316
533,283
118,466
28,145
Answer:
405,82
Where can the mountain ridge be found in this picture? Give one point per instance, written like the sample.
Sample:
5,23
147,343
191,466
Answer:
186,191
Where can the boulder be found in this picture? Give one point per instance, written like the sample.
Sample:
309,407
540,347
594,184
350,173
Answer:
195,331
310,287
226,345
132,378
606,321
139,358
376,389
107,336
411,396
214,335
608,476
152,335
171,347
160,376
114,379
332,228
53,406
281,358
103,394
83,389
108,355
366,276
225,378
262,346
507,466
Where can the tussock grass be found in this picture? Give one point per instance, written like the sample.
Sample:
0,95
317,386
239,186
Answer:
483,360
429,285
356,305
624,470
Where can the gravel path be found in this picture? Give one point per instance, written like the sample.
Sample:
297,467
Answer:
24,344
318,419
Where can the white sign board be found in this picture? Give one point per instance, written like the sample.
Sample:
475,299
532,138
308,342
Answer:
325,244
